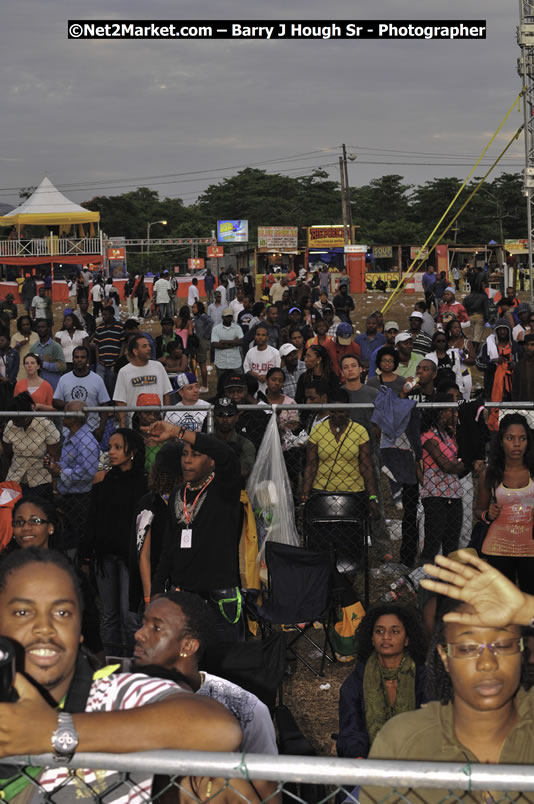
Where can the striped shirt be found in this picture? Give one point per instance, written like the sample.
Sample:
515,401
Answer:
115,693
109,342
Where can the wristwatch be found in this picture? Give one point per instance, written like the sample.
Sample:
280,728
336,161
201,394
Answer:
65,738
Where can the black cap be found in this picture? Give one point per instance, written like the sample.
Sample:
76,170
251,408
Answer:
236,380
224,407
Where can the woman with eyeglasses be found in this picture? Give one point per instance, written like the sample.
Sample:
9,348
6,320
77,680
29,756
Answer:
477,680
37,523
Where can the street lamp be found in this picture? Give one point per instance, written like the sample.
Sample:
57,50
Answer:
153,223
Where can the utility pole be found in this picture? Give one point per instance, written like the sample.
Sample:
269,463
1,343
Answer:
347,192
344,201
525,40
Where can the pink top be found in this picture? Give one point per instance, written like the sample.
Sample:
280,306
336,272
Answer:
436,482
184,334
511,533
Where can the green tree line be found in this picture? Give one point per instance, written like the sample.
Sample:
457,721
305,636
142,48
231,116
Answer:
386,211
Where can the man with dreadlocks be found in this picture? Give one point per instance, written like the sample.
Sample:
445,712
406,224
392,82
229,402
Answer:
477,671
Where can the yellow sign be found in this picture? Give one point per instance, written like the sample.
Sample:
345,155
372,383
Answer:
319,236
386,276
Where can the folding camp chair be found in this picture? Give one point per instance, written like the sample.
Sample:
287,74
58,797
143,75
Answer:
300,592
336,521
257,665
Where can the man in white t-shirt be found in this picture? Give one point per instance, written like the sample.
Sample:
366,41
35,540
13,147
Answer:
140,376
135,711
192,292
41,306
237,304
162,293
97,297
189,391
261,357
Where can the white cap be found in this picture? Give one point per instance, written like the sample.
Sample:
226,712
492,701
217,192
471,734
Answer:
402,336
416,314
286,349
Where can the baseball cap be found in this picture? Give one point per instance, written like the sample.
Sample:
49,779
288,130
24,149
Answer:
186,378
416,314
235,380
224,407
227,311
292,309
147,399
287,349
450,289
391,325
402,336
523,307
344,333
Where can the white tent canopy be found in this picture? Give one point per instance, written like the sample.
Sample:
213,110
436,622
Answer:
45,206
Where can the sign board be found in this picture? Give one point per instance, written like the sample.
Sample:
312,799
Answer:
516,246
418,253
195,263
116,253
379,252
356,249
215,251
232,231
332,236
278,237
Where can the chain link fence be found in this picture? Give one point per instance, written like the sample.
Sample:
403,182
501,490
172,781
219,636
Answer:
179,776
383,505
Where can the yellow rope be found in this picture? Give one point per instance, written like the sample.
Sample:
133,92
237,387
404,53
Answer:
474,192
412,267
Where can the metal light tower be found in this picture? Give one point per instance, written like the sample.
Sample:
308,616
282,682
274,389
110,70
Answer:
525,68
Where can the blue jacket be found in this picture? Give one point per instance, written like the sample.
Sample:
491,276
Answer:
12,363
353,740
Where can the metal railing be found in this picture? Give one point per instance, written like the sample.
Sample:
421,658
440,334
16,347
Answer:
50,246
357,779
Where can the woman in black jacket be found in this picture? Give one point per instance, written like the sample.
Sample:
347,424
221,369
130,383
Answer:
114,498
388,679
150,521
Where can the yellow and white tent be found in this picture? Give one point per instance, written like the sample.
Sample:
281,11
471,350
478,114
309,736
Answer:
48,207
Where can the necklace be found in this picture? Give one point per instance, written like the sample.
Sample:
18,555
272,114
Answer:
188,513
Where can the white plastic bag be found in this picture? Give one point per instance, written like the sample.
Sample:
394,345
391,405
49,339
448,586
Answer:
269,491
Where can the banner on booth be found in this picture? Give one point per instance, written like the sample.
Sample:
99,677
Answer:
278,237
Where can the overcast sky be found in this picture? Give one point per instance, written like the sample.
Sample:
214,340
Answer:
87,112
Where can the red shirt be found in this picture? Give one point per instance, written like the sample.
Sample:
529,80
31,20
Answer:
454,307
336,351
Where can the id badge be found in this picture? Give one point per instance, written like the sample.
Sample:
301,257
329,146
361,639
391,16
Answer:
187,537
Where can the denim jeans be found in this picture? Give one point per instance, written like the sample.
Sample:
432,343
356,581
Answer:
109,376
117,624
164,310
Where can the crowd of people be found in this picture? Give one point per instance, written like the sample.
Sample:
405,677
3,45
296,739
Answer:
139,513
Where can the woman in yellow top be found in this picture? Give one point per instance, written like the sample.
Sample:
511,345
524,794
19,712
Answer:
338,457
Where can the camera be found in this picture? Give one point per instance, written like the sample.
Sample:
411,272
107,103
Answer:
8,693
